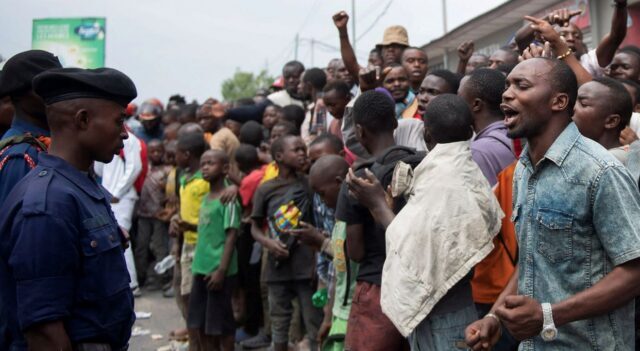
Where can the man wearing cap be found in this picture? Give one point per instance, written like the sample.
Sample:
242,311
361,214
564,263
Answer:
29,130
150,116
394,41
63,279
291,74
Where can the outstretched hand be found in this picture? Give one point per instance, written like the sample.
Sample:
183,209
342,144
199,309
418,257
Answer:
545,29
562,17
372,77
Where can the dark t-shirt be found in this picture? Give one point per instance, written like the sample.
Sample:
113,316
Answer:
267,200
351,212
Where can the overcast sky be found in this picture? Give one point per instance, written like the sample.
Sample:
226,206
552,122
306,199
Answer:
191,46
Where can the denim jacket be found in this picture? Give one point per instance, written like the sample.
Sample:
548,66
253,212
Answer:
576,216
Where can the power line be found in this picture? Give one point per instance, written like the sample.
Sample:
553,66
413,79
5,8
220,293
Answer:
308,16
384,11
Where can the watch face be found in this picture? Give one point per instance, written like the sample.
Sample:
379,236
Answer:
549,333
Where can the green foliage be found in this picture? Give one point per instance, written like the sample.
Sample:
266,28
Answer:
245,85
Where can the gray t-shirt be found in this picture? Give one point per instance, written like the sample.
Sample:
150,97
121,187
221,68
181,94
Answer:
267,200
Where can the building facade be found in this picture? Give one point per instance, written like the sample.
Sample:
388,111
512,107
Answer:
497,27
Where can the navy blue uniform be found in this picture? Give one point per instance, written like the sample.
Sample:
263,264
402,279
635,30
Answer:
61,257
17,160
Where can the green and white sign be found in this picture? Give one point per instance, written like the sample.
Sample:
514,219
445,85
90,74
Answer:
78,42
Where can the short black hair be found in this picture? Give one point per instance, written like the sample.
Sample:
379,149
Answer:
339,86
452,79
294,64
415,48
635,85
316,77
191,127
219,154
375,111
631,49
506,68
188,111
246,157
563,80
193,143
252,133
278,144
449,119
178,99
293,114
289,127
514,54
618,101
330,139
487,85
244,102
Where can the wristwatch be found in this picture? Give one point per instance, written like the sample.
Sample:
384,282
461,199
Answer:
549,331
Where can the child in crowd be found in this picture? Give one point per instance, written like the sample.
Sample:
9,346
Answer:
325,178
151,239
215,262
272,115
248,292
249,164
324,215
193,188
281,129
278,205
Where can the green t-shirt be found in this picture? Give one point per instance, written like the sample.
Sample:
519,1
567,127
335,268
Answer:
215,219
338,237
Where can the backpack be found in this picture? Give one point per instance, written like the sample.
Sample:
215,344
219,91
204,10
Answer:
382,168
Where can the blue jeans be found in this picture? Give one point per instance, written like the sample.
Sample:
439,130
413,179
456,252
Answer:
443,331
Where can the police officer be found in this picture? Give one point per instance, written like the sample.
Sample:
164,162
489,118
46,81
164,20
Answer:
63,276
29,130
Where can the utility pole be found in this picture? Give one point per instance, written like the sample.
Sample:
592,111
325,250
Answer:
445,30
296,47
313,42
353,23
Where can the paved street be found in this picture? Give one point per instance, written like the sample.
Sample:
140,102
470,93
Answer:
165,318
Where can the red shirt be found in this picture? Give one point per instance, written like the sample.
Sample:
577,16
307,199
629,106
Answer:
249,184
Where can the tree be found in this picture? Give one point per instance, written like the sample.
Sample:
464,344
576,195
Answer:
245,84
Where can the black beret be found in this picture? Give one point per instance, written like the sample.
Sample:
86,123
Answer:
75,83
19,70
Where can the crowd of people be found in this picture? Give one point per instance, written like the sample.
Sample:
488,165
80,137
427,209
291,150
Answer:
358,206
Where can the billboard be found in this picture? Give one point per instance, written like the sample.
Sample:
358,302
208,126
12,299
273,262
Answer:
78,42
